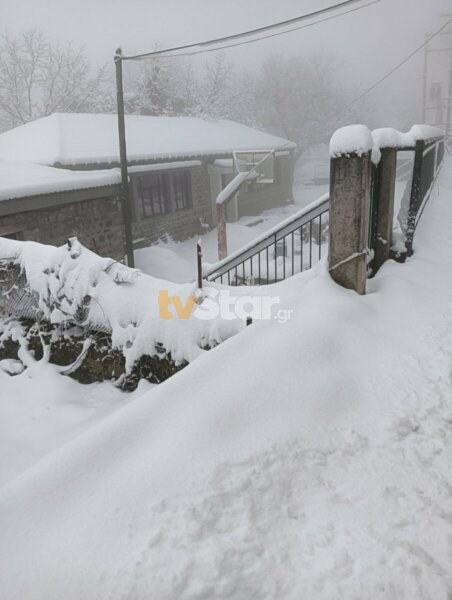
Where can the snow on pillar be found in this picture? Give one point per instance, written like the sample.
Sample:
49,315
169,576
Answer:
350,183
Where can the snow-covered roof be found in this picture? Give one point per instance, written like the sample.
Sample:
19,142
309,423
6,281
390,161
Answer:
79,138
18,180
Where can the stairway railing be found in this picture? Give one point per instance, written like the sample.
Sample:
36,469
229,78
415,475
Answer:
290,247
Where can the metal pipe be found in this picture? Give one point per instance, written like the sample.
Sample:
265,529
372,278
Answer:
125,196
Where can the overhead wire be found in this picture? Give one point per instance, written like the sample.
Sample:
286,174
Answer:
204,45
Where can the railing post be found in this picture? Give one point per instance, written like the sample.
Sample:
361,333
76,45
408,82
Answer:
415,195
221,232
350,181
387,168
199,264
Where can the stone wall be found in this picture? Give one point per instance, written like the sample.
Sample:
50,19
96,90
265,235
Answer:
181,224
96,222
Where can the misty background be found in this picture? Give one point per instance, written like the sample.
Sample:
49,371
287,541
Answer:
57,56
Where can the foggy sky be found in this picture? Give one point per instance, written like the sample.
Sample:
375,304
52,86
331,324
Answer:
371,41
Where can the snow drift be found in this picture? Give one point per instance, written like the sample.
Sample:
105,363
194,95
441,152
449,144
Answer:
310,459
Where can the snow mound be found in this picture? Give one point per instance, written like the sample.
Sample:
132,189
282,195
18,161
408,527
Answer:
74,285
309,459
387,137
353,139
357,139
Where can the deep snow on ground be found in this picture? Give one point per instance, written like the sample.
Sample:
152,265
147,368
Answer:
309,459
41,410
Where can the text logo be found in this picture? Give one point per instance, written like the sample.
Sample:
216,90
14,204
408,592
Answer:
214,304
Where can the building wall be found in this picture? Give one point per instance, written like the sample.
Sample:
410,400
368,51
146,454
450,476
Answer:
96,222
181,224
256,198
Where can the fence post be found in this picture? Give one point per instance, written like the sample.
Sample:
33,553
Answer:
387,168
199,264
350,181
415,195
221,232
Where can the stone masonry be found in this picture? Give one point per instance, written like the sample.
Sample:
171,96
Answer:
96,222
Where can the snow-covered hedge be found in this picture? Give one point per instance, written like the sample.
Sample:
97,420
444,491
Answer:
72,285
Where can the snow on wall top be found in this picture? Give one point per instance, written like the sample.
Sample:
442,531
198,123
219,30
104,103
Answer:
78,138
353,139
391,138
357,139
18,180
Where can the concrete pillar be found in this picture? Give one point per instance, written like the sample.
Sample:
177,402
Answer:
350,180
385,206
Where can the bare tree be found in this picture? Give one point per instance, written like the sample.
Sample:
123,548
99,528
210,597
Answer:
300,98
38,78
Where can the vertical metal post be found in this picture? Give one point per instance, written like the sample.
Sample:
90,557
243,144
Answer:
449,99
424,90
125,197
199,264
415,197
221,232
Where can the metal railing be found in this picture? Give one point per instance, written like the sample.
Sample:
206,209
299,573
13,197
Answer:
301,241
428,156
290,247
420,172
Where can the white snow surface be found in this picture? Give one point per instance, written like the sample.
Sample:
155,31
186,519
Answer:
352,139
20,179
358,139
176,164
80,138
40,411
309,459
387,137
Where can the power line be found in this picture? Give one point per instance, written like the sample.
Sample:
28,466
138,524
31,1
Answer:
405,60
203,46
270,35
397,67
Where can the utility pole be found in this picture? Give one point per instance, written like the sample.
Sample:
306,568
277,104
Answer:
125,189
441,101
449,97
424,89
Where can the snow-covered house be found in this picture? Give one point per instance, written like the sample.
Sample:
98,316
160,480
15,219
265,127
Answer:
177,167
49,205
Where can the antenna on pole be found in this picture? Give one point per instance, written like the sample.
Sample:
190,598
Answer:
125,190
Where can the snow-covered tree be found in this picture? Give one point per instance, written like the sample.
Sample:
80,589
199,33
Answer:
175,86
215,89
38,78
